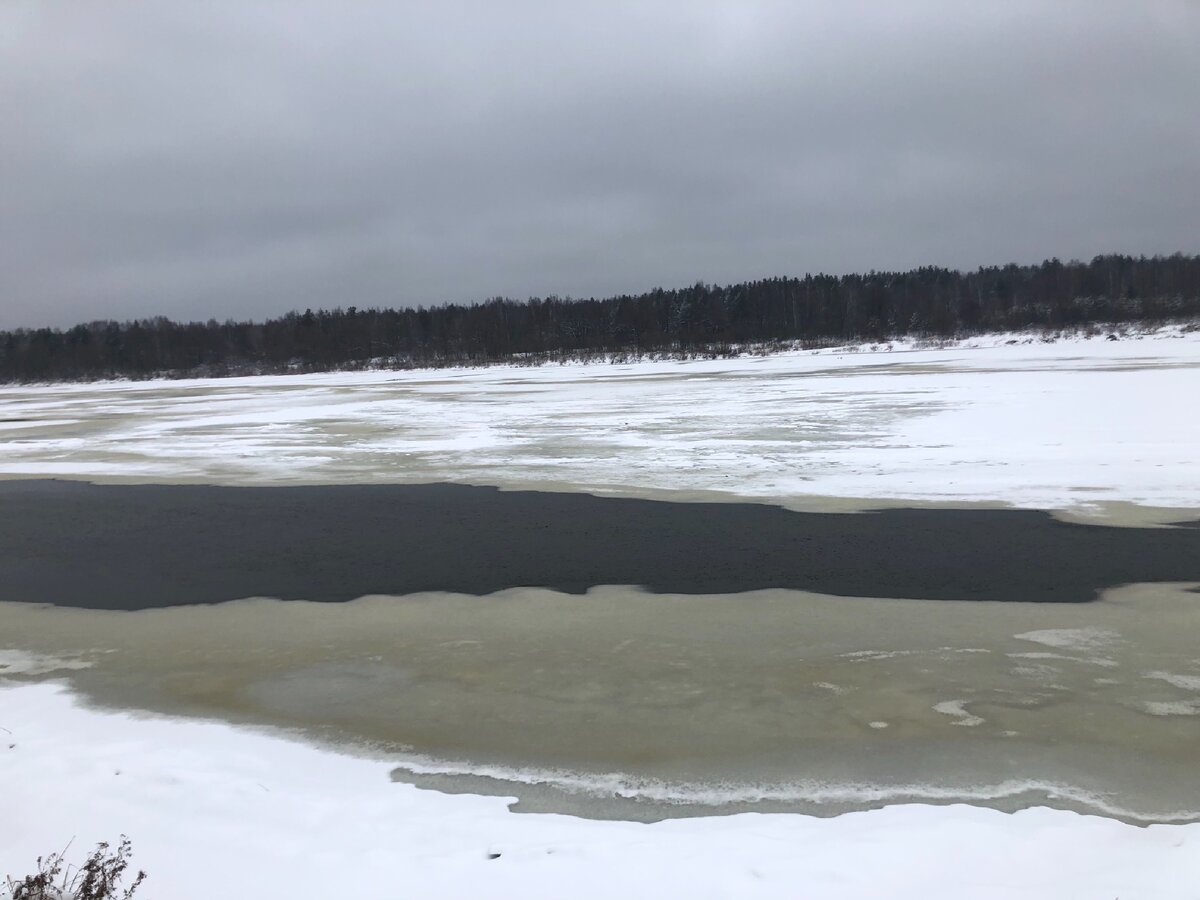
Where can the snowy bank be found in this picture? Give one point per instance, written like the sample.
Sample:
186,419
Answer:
219,811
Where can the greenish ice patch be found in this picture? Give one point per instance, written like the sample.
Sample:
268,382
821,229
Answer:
622,703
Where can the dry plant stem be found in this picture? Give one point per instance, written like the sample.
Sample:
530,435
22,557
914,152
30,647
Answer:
99,878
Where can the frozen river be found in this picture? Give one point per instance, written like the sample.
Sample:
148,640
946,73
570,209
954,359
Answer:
1076,424
624,704
615,702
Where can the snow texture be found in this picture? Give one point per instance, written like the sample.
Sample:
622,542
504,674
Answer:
215,810
1067,425
218,811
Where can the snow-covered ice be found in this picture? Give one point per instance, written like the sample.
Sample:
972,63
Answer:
1187,682
958,709
1089,638
1068,425
216,810
219,811
22,662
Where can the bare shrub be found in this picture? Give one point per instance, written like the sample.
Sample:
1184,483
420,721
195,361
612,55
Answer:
99,878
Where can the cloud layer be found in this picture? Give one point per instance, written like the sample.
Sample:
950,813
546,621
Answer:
239,160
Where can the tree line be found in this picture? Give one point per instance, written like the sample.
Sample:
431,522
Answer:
926,302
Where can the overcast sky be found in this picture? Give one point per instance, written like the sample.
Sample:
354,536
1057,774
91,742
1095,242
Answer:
233,159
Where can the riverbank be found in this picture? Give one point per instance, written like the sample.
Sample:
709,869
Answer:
630,705
212,808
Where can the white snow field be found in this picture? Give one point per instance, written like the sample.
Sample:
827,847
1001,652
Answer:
1071,424
216,811
222,811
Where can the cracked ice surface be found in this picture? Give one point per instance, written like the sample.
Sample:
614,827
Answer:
1063,425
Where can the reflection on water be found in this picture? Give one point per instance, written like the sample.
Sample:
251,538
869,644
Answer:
627,703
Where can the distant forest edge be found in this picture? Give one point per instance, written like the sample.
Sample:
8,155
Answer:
702,319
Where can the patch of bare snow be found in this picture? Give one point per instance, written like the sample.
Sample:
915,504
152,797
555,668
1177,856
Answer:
1187,682
958,709
1088,639
218,810
24,662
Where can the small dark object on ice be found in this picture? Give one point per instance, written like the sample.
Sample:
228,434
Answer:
99,878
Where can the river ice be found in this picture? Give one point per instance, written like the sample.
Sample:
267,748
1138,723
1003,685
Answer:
1073,424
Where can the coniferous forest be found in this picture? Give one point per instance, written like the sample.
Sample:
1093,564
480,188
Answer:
926,302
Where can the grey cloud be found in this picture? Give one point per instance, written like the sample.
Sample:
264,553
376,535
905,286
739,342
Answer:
230,159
